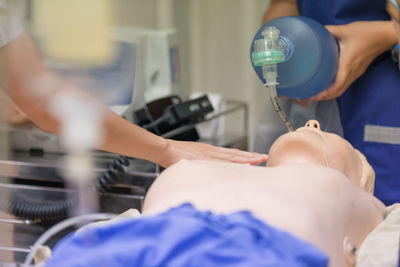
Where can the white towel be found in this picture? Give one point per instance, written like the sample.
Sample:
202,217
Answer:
381,247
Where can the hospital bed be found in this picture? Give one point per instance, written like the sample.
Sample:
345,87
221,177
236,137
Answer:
379,249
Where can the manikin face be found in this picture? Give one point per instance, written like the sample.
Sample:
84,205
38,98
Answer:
311,145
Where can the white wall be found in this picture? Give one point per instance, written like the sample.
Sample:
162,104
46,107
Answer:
215,38
137,13
220,40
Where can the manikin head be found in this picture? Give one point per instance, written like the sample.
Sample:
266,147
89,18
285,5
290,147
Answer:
311,145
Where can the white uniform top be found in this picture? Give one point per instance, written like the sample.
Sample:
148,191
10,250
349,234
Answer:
11,24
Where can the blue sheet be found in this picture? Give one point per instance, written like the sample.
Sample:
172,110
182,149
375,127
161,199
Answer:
184,236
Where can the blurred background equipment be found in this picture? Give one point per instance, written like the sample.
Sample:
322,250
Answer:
155,50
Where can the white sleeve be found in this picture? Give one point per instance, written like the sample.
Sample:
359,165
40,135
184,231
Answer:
11,24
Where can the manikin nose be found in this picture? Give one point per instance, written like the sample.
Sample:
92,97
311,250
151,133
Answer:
313,124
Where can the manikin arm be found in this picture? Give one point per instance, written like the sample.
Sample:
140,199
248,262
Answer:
20,64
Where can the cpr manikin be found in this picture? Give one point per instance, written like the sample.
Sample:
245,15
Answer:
314,187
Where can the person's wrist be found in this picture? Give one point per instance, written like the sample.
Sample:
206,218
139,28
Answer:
389,37
160,151
382,38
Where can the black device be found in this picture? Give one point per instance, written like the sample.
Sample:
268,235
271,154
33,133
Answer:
192,110
166,114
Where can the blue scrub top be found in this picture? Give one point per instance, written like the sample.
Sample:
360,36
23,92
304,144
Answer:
370,107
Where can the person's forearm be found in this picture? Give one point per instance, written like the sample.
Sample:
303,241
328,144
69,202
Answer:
32,87
123,137
21,68
118,135
279,8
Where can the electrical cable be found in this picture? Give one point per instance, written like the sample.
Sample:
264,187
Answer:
61,226
26,207
164,118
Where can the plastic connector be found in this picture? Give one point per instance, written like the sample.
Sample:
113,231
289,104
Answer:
267,53
270,74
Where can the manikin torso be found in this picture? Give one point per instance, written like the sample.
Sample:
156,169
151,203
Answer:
312,202
316,203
